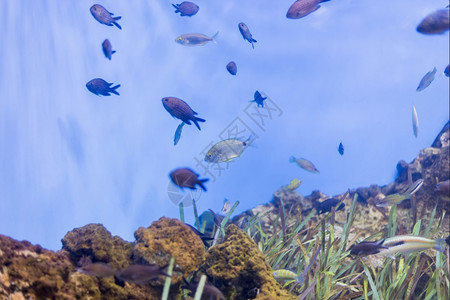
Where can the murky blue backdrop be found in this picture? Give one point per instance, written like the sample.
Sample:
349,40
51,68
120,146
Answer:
347,72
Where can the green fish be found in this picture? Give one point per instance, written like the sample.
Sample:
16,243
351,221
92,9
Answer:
397,198
295,183
226,150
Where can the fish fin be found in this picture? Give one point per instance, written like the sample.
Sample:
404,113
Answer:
176,7
200,183
324,1
253,46
114,51
198,120
117,24
440,245
214,37
113,90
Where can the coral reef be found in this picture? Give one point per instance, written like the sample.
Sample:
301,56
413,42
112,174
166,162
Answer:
240,270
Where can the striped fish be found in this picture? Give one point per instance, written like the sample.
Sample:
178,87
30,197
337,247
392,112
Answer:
410,243
398,198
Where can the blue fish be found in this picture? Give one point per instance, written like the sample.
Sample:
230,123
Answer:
259,99
246,33
341,149
232,68
178,133
107,49
99,87
426,80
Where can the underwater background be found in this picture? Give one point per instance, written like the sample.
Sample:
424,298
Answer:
346,73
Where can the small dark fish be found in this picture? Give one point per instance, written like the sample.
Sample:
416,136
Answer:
179,109
367,248
205,239
444,187
140,274
232,68
341,149
103,16
107,49
186,8
258,99
435,23
99,87
177,136
210,292
195,39
246,33
185,177
426,80
447,240
327,205
446,72
302,8
97,269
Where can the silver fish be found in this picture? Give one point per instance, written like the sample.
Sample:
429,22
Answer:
140,274
195,39
226,150
186,8
435,23
103,16
302,8
97,269
426,80
304,164
107,49
246,34
177,136
226,206
410,243
415,122
99,87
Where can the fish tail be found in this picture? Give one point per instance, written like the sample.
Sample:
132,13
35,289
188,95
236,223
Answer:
113,90
117,24
300,278
114,51
440,245
162,272
198,120
214,37
291,159
201,182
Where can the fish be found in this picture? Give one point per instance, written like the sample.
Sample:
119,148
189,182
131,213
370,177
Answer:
99,87
258,99
367,248
205,239
443,187
446,72
177,136
435,23
415,122
327,205
246,34
179,109
185,177
210,292
226,150
295,183
304,164
426,80
195,39
107,49
232,68
141,274
208,220
397,198
97,269
226,206
186,8
410,243
302,8
103,16
341,149
286,275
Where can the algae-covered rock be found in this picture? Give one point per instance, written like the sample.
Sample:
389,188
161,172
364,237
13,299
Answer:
166,238
239,269
97,243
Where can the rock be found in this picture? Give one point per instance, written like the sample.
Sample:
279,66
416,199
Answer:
442,140
97,243
239,269
166,238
